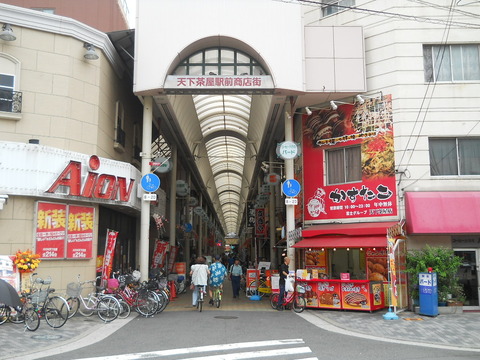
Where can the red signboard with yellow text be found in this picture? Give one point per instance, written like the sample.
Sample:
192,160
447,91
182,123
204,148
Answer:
51,230
80,232
348,158
60,224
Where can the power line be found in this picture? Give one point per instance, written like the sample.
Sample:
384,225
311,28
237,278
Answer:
389,14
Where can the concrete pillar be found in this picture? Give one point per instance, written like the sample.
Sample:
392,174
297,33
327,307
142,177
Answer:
146,169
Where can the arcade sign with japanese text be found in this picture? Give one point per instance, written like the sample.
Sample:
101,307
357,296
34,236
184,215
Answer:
203,82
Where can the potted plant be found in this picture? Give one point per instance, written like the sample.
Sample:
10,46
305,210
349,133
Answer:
443,261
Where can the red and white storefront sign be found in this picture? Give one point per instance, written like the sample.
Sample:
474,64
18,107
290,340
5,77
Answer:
368,127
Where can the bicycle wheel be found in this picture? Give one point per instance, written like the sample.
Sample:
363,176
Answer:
87,305
56,311
4,313
145,303
274,300
299,303
162,295
217,300
125,309
252,288
15,317
32,320
108,308
74,305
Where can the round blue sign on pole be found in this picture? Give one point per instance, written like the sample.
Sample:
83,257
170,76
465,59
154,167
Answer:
150,182
291,187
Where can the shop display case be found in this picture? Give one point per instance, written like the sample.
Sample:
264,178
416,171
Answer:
363,295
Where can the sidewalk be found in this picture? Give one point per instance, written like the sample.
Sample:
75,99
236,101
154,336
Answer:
453,331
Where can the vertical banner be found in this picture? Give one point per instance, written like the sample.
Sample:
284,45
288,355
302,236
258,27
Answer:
109,252
260,222
50,230
356,143
172,257
80,232
159,254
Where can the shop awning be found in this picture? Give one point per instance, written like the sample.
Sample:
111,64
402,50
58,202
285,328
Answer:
442,212
355,229
343,242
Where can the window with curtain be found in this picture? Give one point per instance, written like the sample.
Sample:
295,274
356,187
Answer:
454,156
344,165
447,63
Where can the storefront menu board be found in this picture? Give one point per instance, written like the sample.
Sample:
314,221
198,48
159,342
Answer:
64,231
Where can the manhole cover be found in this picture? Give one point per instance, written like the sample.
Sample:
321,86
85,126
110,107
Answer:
226,317
46,337
413,319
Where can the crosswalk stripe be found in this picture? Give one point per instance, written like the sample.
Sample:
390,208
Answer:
221,347
255,354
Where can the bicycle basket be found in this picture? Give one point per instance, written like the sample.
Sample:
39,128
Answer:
301,289
112,285
74,289
39,297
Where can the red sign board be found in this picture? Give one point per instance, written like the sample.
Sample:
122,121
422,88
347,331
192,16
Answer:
51,230
370,128
80,232
260,222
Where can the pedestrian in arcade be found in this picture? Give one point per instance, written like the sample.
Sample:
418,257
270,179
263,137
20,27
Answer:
236,273
199,273
217,274
283,276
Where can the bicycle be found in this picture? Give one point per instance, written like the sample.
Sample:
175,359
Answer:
143,300
217,295
201,296
295,299
259,287
26,315
106,306
54,308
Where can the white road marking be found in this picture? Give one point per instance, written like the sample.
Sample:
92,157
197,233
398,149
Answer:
221,347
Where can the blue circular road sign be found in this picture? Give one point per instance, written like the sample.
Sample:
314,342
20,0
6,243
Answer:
150,182
291,187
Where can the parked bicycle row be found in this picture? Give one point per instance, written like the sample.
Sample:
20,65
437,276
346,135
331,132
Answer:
116,299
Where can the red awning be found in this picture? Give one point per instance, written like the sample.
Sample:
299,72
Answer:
442,212
343,242
355,229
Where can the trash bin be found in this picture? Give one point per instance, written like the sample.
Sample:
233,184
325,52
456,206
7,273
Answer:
428,293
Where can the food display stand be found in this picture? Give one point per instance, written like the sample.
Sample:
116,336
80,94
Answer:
363,295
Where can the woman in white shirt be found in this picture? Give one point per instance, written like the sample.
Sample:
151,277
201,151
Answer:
199,273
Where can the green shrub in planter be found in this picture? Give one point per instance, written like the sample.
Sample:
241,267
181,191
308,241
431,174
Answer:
443,261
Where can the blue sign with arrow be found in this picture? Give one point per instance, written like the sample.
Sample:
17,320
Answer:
150,182
291,187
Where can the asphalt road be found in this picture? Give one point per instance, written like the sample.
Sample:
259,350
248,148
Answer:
244,335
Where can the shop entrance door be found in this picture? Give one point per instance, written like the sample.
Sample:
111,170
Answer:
469,276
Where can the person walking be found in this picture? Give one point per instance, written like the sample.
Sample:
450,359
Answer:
283,276
236,273
217,274
199,273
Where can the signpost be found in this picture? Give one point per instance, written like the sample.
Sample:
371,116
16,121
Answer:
291,187
150,182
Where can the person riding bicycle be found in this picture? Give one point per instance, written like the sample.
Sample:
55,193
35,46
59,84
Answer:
217,276
199,273
283,276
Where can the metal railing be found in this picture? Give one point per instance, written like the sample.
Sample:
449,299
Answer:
10,101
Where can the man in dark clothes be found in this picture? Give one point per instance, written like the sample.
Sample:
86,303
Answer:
283,275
